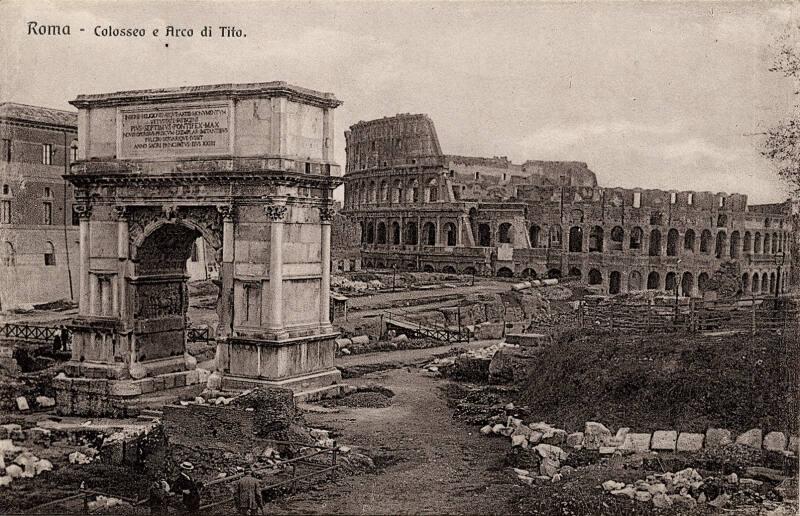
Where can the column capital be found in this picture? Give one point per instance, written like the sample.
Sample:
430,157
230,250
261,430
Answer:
84,210
275,212
326,214
121,213
228,212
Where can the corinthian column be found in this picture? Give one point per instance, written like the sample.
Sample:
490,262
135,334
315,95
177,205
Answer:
84,211
226,272
276,212
325,216
120,288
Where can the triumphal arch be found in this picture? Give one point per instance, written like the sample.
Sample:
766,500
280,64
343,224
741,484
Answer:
249,167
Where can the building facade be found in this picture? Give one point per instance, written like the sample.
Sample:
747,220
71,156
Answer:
419,209
38,232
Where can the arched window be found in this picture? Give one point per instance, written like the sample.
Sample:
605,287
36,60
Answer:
756,284
370,233
774,243
372,192
655,243
432,191
504,272
705,241
722,220
595,277
575,239
395,233
722,240
688,241
504,233
636,238
411,233
767,242
381,237
734,247
635,281
746,283
614,282
450,234
528,273
748,242
8,254
484,235
397,191
757,243
384,191
49,253
429,233
414,191
687,284
617,238
596,239
534,232
672,242
670,283
702,281
652,280
363,228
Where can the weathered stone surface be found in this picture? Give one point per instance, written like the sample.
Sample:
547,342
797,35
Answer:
613,485
575,439
486,430
45,401
689,442
751,438
519,440
628,492
556,437
619,437
551,452
643,496
595,435
637,442
794,444
717,437
548,467
664,440
22,404
661,501
775,441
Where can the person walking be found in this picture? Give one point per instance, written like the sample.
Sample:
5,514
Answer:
157,497
248,496
186,486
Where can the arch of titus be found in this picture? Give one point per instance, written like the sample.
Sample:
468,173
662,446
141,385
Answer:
250,168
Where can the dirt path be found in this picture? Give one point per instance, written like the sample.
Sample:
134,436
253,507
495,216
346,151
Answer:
395,298
433,464
408,356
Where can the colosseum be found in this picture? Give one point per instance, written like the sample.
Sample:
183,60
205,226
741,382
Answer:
420,209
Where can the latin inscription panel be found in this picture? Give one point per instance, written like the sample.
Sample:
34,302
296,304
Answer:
174,131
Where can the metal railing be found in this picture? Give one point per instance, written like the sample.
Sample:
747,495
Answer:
431,330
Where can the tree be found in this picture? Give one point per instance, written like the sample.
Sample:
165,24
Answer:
782,143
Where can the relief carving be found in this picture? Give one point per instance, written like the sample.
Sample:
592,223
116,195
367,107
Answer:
158,300
275,212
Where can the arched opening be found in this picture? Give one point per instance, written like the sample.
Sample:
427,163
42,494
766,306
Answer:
449,269
504,272
414,187
636,238
384,191
595,277
614,282
370,233
395,233
429,233
702,282
774,243
757,243
652,280
734,247
450,234
722,220
596,239
575,239
49,254
381,236
672,242
635,281
427,268
756,287
745,283
554,237
722,240
687,284
772,284
484,235
705,241
380,265
432,191
411,233
363,229
9,259
470,270
670,282
617,238
372,192
688,241
533,233
575,272
554,273
504,235
528,273
655,243
748,242
397,191
767,243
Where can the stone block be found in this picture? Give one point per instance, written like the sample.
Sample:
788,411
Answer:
146,385
45,401
619,438
751,438
158,383
775,441
125,389
595,435
556,436
794,444
22,404
575,439
180,380
193,377
689,442
637,442
664,440
718,437
169,381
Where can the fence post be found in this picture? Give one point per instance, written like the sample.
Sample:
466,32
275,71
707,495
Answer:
333,463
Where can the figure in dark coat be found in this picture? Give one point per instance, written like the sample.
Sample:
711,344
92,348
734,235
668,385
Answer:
190,489
248,496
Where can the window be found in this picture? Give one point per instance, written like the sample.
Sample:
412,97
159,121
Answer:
673,197
5,212
477,175
6,149
6,190
690,199
73,151
47,154
49,254
48,193
308,168
8,254
47,219
637,199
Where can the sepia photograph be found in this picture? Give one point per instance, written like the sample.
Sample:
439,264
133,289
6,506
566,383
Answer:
399,257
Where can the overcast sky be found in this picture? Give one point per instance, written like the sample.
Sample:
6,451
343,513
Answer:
668,96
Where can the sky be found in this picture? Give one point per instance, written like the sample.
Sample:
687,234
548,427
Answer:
655,95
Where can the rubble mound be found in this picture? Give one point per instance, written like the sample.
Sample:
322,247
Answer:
685,381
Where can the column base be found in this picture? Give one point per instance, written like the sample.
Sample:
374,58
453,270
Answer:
307,387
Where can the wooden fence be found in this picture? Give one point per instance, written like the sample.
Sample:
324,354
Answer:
746,314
